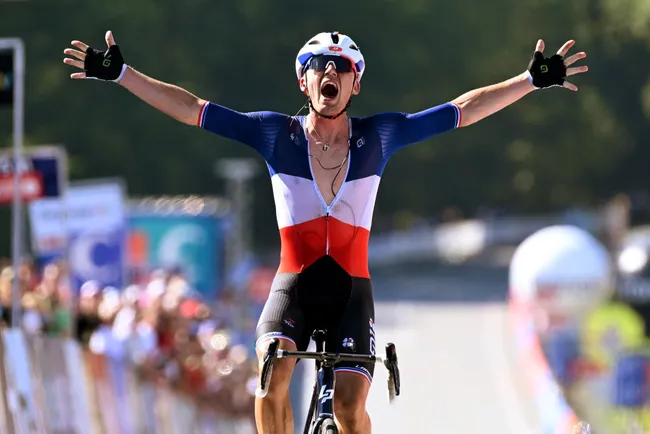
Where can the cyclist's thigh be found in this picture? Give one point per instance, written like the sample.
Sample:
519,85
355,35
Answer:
283,319
356,330
281,316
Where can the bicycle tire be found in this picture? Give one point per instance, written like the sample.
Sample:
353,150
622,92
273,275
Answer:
328,427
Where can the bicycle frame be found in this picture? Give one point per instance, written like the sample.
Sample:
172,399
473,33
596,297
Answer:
322,402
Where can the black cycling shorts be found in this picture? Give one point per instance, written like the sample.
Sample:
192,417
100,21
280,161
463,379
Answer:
322,296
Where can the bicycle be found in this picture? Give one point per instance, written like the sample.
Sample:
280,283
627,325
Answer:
320,419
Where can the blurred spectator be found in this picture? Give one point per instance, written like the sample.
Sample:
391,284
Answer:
33,321
160,326
451,214
617,221
6,279
55,299
87,318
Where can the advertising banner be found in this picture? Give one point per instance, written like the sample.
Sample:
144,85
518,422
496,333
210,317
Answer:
107,410
80,396
192,244
51,386
43,172
26,414
49,362
88,227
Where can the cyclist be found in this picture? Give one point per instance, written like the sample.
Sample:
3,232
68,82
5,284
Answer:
325,169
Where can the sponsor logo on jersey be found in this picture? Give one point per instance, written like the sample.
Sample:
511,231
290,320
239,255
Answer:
371,324
348,343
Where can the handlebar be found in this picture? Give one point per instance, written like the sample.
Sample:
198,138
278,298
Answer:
272,353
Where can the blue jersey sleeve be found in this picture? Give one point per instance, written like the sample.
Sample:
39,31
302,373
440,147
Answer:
398,130
255,129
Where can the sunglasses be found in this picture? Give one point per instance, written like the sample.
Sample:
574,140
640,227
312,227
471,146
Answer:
320,63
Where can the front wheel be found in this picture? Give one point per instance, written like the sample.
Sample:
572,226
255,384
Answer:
327,426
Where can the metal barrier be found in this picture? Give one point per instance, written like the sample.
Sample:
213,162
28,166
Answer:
50,386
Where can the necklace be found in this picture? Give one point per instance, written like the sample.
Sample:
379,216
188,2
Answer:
325,144
325,147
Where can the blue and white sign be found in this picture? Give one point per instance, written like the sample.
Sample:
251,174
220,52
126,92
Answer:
97,256
88,227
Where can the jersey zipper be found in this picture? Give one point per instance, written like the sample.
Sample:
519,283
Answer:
318,193
327,233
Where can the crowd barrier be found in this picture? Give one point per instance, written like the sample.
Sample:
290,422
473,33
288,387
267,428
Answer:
554,412
51,386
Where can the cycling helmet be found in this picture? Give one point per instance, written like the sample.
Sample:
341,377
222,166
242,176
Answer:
333,44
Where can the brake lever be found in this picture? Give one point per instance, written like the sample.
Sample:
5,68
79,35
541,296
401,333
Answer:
267,368
390,363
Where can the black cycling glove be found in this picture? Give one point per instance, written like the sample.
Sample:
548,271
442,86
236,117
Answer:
104,65
546,71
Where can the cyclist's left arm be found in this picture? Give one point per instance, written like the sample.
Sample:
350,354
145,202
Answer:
255,129
480,103
398,130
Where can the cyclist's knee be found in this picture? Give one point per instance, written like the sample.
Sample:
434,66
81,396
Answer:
350,398
282,368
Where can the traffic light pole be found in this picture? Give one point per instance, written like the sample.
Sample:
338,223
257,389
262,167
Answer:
16,45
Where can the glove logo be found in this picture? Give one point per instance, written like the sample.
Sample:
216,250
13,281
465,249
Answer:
104,65
547,72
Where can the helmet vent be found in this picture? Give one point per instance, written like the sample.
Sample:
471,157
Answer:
314,42
335,37
354,47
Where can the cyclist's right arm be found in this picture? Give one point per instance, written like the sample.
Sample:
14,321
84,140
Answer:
192,110
256,129
182,105
168,98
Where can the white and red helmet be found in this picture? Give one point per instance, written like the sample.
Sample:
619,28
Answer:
332,44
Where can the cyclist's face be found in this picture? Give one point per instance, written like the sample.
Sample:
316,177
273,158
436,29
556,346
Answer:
330,90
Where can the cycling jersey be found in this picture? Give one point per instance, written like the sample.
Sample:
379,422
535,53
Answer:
309,228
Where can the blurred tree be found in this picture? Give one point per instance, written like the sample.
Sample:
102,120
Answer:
553,149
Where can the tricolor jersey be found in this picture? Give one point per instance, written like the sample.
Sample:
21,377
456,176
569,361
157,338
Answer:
309,227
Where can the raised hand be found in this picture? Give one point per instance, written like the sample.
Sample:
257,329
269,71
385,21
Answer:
553,71
100,65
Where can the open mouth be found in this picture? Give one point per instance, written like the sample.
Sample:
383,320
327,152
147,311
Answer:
329,90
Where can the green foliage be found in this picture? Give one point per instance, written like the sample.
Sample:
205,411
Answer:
552,149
